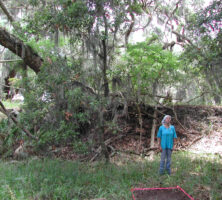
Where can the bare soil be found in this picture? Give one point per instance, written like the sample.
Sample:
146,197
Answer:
160,194
212,142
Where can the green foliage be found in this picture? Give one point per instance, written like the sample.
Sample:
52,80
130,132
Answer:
9,133
59,15
136,7
146,64
209,19
89,17
205,55
54,107
55,179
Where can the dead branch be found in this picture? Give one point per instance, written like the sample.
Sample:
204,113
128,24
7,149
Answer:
164,106
151,149
7,86
203,93
184,38
129,152
84,87
107,142
195,140
175,114
4,111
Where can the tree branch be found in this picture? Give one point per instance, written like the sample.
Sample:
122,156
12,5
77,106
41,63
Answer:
11,19
7,86
130,28
18,47
197,97
7,61
184,38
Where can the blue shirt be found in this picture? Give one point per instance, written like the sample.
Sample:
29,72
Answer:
166,136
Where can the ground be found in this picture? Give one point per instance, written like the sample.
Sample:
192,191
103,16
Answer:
210,144
160,194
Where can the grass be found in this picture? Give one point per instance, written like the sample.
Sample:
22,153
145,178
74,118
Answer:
49,179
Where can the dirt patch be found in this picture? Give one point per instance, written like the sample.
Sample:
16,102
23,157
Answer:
160,194
212,142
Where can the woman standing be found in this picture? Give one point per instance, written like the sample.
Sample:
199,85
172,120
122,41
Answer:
166,136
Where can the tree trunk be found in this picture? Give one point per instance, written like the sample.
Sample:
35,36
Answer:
140,125
101,134
104,44
106,84
153,131
17,46
56,38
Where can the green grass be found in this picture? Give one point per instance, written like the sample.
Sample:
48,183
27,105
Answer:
49,179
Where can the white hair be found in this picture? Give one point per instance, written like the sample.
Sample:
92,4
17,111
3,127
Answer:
164,119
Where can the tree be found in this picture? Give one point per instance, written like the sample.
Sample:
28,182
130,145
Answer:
145,70
18,47
205,29
97,31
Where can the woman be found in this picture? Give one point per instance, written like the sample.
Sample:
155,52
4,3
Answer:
166,137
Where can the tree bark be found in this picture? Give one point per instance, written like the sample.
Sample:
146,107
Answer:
17,46
106,84
104,44
152,141
128,32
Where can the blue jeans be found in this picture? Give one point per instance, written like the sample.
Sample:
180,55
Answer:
165,161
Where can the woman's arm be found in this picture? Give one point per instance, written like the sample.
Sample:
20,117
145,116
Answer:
159,135
174,140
